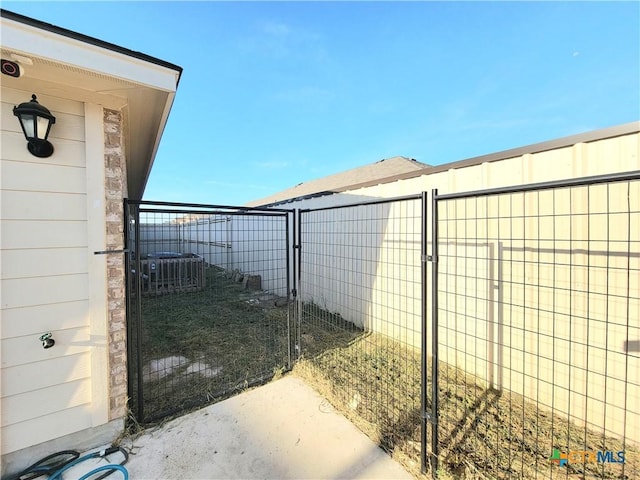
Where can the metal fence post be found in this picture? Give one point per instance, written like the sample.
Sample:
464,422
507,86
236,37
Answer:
290,290
434,331
128,293
298,262
423,314
138,317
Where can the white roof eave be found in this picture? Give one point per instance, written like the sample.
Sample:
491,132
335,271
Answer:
92,73
73,52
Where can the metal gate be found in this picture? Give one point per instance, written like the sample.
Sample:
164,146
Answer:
362,315
208,301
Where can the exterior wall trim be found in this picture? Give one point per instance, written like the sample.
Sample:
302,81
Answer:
94,147
88,40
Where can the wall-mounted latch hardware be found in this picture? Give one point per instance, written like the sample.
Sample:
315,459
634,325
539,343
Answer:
106,252
47,340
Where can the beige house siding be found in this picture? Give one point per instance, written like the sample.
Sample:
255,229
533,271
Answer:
44,279
56,213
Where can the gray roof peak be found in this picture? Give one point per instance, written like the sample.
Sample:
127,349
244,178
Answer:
341,181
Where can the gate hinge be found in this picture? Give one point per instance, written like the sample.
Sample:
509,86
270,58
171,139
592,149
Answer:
294,293
429,418
105,252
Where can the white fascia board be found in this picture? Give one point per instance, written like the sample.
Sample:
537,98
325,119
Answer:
163,124
69,51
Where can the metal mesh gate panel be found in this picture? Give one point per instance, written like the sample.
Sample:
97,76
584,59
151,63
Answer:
538,310
208,303
360,312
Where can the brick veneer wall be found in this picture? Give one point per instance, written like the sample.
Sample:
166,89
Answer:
115,191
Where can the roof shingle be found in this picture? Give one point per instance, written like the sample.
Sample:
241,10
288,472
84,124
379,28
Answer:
341,181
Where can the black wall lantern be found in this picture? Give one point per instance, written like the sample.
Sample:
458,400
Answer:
36,122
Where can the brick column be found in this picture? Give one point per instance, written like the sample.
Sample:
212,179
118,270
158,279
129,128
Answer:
115,191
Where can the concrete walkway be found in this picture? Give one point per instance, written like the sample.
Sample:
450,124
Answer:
283,430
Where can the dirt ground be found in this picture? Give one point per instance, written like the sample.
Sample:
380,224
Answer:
204,346
200,347
375,382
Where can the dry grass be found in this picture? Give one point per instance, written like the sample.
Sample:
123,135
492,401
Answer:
375,382
372,379
221,327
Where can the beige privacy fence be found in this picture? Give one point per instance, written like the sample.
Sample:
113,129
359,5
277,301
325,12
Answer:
532,300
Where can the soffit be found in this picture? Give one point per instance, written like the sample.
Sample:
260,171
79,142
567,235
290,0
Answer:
69,68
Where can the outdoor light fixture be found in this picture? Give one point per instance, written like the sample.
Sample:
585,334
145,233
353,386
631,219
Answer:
36,121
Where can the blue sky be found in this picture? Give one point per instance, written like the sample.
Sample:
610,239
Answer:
284,92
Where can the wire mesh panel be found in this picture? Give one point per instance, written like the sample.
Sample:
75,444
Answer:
359,307
208,304
538,317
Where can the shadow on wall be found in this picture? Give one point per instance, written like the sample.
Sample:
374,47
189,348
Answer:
632,346
548,323
362,262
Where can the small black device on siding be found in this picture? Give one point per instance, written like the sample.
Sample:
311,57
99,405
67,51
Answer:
47,340
10,68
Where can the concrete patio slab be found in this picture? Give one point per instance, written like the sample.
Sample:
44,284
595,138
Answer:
283,430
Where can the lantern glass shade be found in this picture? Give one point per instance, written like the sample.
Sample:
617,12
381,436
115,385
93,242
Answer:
36,121
27,125
42,128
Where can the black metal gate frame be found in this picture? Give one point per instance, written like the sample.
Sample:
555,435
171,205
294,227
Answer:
428,413
133,265
294,268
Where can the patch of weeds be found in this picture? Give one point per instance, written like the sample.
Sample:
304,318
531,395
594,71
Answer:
483,433
215,341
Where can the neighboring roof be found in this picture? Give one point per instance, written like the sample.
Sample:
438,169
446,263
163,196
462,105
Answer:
595,135
71,65
343,180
